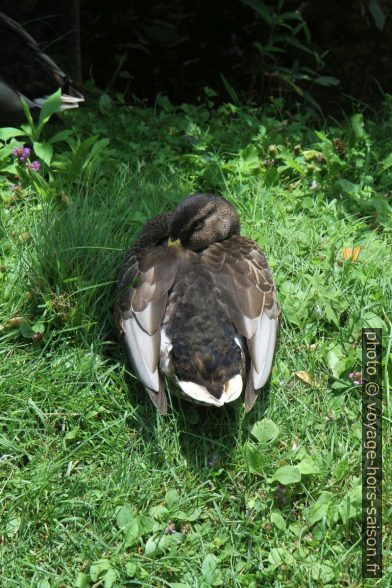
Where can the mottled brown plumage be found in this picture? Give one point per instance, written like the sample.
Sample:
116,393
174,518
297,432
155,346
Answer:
26,71
197,302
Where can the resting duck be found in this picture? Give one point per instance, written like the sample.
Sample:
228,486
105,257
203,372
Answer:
27,71
197,304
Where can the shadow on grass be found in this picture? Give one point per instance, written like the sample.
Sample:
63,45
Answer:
205,438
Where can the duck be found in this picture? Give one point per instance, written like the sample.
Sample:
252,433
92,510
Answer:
197,304
29,73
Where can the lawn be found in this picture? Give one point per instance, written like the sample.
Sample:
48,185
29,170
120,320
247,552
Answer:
97,489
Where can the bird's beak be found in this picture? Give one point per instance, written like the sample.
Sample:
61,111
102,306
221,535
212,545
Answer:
176,243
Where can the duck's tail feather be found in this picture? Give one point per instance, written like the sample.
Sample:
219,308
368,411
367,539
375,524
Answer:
67,101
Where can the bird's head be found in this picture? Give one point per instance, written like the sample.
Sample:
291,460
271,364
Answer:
203,219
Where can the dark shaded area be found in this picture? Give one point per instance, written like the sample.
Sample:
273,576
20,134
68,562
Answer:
179,47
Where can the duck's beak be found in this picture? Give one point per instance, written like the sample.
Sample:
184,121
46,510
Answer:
176,243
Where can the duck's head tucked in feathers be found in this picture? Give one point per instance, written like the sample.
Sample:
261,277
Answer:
203,219
197,305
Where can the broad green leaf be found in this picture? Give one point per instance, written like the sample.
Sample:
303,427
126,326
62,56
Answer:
351,505
44,151
6,150
38,327
26,331
189,515
322,572
9,132
300,453
330,312
172,498
72,434
13,527
43,583
159,512
278,520
253,458
124,516
145,524
151,546
279,556
49,107
319,509
210,570
307,466
109,578
264,431
334,361
372,320
61,136
286,475
132,534
348,186
97,567
82,580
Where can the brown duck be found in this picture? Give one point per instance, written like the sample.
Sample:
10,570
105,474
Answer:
197,304
27,72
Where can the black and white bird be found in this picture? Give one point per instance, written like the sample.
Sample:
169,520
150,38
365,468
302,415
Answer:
27,72
197,303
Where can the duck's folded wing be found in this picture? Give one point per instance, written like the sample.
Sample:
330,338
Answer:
247,288
143,288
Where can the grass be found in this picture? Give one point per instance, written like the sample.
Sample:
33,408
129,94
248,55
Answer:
97,489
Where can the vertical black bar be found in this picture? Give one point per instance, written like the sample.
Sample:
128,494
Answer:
371,453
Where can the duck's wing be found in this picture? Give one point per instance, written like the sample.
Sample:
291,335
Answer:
247,288
144,281
28,70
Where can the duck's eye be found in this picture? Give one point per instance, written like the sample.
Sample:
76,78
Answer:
198,225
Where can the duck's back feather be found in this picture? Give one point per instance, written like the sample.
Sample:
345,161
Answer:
247,287
204,305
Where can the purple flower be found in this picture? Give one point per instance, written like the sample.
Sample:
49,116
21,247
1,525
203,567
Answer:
21,153
34,165
170,529
356,378
25,154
